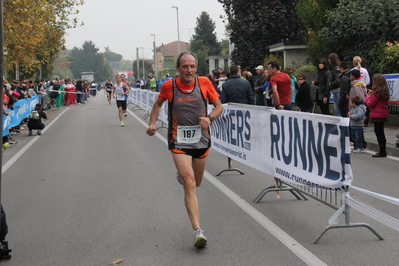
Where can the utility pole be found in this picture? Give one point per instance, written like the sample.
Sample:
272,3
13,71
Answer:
142,52
178,31
138,63
155,59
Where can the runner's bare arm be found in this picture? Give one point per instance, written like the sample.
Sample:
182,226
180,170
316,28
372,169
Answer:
113,91
206,121
151,130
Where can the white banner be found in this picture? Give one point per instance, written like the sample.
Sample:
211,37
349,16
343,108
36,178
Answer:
300,148
393,85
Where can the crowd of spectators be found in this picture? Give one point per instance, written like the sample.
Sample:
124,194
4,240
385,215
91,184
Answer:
52,93
336,82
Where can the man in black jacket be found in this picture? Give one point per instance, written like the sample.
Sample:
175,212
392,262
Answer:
35,119
236,89
345,86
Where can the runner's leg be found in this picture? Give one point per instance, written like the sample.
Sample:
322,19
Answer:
120,113
184,165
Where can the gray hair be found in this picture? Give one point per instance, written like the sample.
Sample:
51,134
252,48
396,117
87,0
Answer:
183,54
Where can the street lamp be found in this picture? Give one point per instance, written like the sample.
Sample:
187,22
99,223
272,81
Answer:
142,52
155,59
178,31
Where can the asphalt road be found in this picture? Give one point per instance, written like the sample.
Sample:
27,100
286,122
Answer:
88,192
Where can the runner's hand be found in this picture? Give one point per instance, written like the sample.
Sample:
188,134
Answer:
151,130
204,122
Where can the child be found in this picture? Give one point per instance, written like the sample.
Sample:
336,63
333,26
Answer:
357,116
358,87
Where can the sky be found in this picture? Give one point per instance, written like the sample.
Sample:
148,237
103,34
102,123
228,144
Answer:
124,25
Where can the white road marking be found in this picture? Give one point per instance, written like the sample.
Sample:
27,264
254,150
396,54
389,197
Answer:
10,162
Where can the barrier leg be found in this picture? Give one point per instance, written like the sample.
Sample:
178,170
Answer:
147,115
347,225
162,126
230,168
280,187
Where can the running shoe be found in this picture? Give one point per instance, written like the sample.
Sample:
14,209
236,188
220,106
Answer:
122,125
125,115
39,132
6,145
179,178
357,150
199,238
30,133
12,141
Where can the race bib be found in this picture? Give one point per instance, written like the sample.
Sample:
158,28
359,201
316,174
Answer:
188,134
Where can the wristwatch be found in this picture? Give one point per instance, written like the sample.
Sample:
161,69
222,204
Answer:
211,118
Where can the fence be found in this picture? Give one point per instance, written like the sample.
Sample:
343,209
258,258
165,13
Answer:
307,154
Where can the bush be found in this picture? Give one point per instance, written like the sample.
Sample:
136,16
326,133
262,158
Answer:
304,69
273,57
386,56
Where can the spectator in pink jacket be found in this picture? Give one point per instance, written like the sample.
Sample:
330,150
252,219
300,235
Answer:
377,100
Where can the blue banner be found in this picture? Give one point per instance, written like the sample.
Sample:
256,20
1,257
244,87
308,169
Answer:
22,109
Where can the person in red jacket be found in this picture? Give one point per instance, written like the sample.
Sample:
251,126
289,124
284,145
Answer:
377,100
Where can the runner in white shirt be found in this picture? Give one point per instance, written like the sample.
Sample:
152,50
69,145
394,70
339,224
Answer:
120,92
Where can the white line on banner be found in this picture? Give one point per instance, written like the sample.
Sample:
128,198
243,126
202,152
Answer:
373,213
377,195
299,250
76,92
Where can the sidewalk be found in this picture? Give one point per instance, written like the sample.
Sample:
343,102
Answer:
390,135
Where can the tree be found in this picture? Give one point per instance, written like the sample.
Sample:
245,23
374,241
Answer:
201,51
31,40
313,15
111,56
88,59
205,31
255,25
147,68
204,42
355,26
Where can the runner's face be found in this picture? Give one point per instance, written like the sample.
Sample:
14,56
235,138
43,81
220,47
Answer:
187,69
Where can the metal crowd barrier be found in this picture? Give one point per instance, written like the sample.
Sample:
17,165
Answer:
331,198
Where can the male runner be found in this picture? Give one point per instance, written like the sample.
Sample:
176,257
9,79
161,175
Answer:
120,91
124,81
108,90
189,137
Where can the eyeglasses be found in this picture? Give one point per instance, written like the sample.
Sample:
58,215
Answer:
300,79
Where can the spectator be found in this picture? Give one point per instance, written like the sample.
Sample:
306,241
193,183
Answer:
236,89
377,100
333,81
35,119
248,76
93,88
345,86
356,116
371,73
358,87
322,82
80,92
260,80
303,99
281,87
364,75
294,83
220,80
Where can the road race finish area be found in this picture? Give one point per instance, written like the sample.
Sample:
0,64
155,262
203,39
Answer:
88,192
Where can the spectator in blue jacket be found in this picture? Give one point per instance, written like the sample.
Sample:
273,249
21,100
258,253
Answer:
236,89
